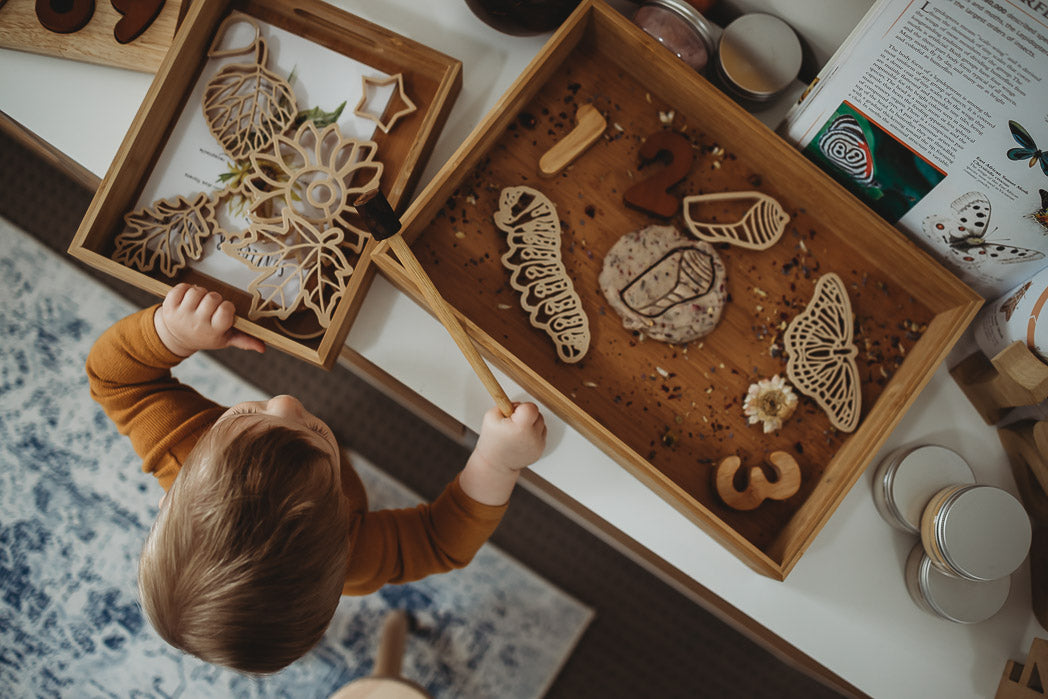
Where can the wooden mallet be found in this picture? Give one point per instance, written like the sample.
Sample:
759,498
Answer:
384,225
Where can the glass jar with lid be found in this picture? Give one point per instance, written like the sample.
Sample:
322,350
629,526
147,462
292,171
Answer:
681,28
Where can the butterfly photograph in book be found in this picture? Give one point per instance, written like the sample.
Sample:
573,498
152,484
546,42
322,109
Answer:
875,166
971,239
1027,150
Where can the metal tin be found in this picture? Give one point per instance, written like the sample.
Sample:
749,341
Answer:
907,479
681,28
758,56
976,532
956,599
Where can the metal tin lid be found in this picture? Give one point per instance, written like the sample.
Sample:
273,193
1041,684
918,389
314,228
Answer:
908,478
702,26
758,56
983,532
959,600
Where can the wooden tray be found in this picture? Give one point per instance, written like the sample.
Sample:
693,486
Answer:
670,413
21,30
434,81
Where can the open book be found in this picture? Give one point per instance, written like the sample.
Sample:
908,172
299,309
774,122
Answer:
935,113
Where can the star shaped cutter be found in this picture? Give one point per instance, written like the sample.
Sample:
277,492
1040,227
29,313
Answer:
370,83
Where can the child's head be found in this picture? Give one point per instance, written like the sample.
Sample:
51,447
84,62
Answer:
246,561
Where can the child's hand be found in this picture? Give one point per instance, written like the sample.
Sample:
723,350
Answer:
191,319
515,442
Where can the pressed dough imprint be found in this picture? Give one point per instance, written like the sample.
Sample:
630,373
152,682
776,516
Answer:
666,285
758,229
532,229
822,354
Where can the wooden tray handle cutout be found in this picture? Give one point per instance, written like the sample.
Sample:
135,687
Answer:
650,195
220,35
589,125
758,488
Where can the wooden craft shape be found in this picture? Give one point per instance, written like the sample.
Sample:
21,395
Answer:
1026,444
589,125
315,175
1015,376
1026,680
650,195
167,233
758,488
532,228
137,16
821,354
64,18
759,228
246,105
297,263
369,83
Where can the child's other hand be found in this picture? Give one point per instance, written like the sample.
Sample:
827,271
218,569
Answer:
192,318
515,442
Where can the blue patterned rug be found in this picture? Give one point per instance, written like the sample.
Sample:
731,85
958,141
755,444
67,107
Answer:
75,508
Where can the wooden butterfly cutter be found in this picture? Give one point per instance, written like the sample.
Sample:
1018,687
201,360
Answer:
384,225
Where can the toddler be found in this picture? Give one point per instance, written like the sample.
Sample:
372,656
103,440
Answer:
264,523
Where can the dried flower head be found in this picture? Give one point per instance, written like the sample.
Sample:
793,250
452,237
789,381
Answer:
769,401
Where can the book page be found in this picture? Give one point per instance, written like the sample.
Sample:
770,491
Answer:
935,114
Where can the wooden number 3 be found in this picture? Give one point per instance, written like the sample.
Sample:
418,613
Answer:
68,16
758,488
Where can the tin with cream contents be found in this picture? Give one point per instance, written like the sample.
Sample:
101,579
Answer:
956,599
975,532
907,479
758,57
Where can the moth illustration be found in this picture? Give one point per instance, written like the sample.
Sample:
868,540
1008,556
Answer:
1028,150
844,144
966,230
1009,306
1041,214
821,353
532,229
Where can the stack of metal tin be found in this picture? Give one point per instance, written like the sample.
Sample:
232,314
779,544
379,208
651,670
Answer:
972,537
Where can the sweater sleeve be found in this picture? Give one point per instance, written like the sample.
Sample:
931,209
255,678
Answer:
129,371
398,546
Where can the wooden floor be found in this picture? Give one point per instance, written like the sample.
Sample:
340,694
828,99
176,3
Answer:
647,639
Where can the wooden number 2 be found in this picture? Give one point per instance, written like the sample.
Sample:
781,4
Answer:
137,16
650,195
64,16
787,481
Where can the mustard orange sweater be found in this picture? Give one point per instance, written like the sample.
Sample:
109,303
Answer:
130,375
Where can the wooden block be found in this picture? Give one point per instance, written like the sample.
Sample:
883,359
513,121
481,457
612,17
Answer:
1026,444
1026,681
1014,377
97,41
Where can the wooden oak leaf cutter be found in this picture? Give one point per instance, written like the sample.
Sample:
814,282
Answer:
167,233
758,488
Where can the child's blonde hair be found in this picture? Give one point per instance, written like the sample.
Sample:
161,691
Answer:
245,563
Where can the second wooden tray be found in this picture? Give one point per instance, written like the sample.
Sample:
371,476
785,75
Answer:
670,413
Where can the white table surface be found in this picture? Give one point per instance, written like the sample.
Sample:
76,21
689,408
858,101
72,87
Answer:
844,604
